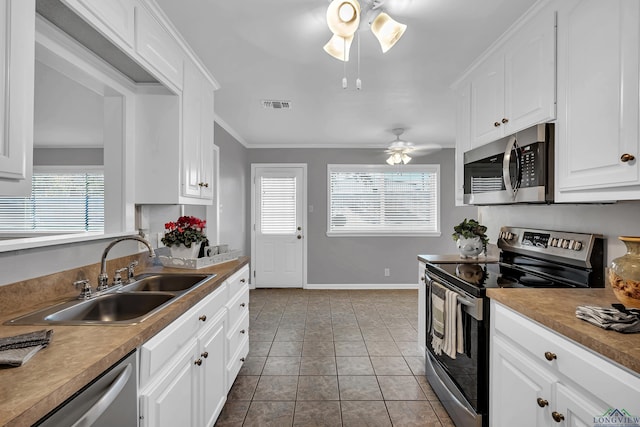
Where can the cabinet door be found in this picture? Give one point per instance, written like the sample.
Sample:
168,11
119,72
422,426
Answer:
597,97
213,370
113,18
530,71
517,383
17,44
207,191
578,410
487,102
192,105
422,309
172,400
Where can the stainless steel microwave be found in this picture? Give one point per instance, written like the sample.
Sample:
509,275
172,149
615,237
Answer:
514,169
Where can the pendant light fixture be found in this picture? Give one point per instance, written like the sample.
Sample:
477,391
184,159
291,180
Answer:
343,19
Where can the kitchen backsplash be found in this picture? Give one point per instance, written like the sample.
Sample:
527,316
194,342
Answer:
610,220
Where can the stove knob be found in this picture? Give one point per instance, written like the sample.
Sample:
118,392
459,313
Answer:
510,236
565,244
577,245
501,235
554,242
557,243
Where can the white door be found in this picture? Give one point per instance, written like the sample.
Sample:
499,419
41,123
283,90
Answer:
279,225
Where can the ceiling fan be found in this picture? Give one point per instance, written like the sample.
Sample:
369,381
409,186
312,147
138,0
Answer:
400,149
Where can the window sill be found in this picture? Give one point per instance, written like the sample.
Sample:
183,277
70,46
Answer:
388,234
54,240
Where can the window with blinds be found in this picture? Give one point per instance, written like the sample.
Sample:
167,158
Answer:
278,205
60,202
383,200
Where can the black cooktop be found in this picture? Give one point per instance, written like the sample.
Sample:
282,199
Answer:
474,278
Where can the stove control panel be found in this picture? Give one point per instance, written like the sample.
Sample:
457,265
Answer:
568,246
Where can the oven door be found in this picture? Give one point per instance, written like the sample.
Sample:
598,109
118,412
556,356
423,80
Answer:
461,383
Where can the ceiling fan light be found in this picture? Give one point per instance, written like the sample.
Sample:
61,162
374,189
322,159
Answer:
390,160
343,17
339,47
405,158
387,30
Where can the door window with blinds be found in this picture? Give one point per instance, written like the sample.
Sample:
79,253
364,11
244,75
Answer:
278,205
383,200
62,200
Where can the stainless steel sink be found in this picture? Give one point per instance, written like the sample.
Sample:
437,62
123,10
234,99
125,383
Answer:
126,305
165,282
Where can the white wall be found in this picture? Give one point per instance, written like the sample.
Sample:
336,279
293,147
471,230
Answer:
610,220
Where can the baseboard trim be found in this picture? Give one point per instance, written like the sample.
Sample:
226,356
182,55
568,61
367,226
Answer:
361,286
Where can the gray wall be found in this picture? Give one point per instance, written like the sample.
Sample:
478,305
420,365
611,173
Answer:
610,220
235,172
362,260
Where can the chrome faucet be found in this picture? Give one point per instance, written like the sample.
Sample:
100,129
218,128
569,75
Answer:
103,277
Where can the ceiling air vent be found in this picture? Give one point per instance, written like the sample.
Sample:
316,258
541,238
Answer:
276,105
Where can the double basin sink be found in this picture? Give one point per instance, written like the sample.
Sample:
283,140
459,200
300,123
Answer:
126,305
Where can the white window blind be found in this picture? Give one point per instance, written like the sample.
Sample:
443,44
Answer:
59,202
278,205
385,200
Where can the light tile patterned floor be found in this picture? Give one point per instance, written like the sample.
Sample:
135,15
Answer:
333,358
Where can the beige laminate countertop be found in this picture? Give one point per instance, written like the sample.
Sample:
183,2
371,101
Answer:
555,309
78,354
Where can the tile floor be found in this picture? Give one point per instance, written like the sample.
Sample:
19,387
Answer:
333,358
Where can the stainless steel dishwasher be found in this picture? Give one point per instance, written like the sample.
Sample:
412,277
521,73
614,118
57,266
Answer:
110,400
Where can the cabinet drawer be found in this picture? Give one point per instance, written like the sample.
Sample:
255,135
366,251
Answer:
237,335
159,350
237,279
234,365
158,48
596,374
238,306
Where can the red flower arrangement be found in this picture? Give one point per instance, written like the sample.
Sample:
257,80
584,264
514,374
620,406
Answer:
187,230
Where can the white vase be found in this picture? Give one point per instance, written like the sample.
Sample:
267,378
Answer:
469,247
181,251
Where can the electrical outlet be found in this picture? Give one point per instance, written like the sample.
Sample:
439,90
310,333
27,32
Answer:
387,272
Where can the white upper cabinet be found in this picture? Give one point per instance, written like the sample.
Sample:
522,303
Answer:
197,122
17,44
598,74
113,18
513,87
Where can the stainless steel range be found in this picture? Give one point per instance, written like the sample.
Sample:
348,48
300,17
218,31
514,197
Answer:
528,258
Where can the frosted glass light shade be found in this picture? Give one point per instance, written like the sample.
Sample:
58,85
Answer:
343,17
387,30
339,47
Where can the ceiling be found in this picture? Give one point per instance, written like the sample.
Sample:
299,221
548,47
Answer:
272,50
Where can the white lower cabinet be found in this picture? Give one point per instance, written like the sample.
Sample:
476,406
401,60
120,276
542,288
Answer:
238,323
422,308
185,368
541,378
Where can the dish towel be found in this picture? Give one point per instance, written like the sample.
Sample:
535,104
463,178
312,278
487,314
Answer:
17,350
609,318
438,295
453,324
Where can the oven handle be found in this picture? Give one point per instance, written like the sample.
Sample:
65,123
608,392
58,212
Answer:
473,306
